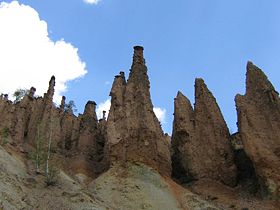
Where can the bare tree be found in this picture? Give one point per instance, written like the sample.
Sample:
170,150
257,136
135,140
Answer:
38,156
51,171
49,145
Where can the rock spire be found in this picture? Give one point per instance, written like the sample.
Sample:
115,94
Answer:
259,128
134,132
201,139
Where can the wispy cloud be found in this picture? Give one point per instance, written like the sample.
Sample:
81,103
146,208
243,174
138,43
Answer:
29,57
91,1
160,113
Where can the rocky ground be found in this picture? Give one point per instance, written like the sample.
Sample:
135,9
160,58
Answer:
133,186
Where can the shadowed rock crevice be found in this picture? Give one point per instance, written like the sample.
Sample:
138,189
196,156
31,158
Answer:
246,174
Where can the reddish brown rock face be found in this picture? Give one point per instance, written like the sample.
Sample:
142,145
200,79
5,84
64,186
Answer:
87,143
6,115
80,138
134,132
259,127
24,117
88,127
201,140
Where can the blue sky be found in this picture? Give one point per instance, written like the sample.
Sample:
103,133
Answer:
182,39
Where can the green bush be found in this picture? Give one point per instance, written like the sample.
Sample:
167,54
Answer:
52,176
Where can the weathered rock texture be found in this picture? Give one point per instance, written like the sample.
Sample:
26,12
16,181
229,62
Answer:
201,140
134,132
133,147
34,119
259,128
90,145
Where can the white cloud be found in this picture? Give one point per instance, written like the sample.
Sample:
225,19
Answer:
91,1
105,106
29,57
160,113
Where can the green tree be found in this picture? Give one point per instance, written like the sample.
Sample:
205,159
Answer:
70,107
19,94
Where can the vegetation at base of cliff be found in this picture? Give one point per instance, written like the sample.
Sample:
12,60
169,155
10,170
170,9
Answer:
52,176
38,156
42,153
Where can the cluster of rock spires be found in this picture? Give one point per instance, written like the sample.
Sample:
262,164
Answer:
80,138
201,145
204,148
201,139
133,130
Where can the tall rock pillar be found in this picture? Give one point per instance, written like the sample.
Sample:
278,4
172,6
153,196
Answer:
259,127
134,132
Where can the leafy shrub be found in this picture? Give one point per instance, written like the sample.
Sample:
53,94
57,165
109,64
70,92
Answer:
52,176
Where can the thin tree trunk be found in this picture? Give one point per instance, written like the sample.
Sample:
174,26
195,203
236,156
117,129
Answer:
37,152
49,146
